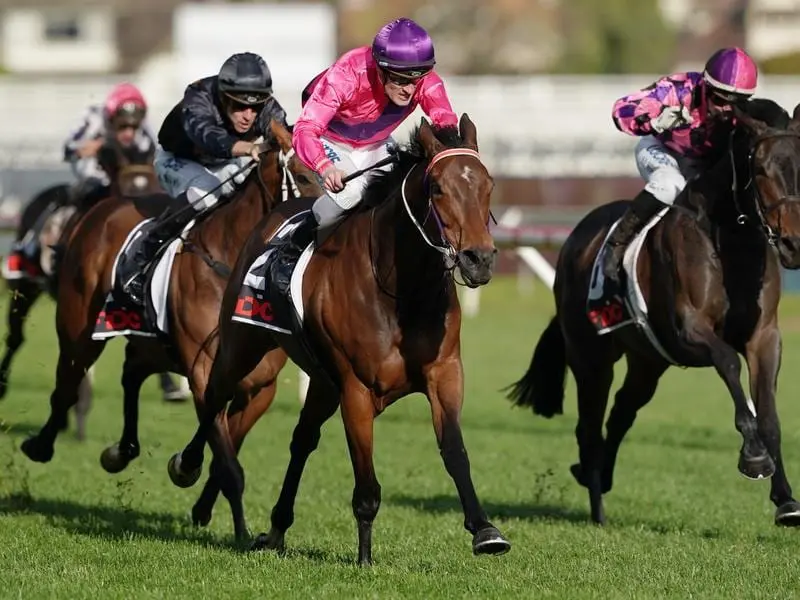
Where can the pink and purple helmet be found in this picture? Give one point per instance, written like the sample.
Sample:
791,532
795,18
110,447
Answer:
405,48
731,71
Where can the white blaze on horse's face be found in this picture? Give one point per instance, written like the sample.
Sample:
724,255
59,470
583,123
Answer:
466,172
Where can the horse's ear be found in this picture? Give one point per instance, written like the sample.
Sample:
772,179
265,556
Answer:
794,124
281,134
755,126
468,132
428,139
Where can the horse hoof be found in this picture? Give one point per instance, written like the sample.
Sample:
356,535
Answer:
268,541
178,477
788,515
761,467
489,540
201,517
112,460
577,473
33,449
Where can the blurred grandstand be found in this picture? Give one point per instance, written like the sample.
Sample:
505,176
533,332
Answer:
537,76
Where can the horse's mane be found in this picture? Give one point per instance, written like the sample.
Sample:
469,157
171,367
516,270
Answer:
768,111
383,183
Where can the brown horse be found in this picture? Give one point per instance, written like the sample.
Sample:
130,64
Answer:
710,274
131,175
382,315
196,287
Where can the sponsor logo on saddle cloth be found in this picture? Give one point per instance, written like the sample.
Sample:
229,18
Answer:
635,304
271,295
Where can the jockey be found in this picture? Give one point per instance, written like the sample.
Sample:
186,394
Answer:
121,119
213,134
351,109
676,119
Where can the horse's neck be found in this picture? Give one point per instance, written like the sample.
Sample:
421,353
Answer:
407,267
718,193
716,199
228,228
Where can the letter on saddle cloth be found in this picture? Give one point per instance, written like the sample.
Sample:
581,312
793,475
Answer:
120,314
608,308
266,298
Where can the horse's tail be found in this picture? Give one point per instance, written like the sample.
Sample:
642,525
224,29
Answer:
542,386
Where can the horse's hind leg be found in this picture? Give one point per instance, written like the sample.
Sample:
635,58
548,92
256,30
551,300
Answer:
241,418
594,373
23,294
637,390
234,360
763,361
321,403
135,370
73,361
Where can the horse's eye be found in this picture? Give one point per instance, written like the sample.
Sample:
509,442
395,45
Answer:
303,180
435,189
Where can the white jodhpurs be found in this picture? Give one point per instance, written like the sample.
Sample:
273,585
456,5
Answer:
178,175
350,159
329,208
664,170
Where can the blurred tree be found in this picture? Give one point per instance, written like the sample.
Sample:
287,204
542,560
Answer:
615,36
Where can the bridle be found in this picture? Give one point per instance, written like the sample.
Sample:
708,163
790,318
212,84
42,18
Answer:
761,210
446,249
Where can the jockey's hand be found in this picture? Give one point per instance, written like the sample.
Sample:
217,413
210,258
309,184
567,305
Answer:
257,150
332,179
670,118
91,148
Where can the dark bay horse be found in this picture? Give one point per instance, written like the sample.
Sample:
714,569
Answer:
58,209
197,283
710,275
382,313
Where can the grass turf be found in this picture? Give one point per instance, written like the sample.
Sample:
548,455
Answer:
682,522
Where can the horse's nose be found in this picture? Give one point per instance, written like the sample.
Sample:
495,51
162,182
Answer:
478,257
792,244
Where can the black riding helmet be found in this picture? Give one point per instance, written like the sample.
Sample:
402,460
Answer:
245,79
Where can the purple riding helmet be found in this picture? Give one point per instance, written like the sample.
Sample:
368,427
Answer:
731,74
404,48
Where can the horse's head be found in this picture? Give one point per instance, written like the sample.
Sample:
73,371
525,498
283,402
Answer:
286,176
131,171
774,164
460,189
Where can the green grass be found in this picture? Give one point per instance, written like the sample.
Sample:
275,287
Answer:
682,522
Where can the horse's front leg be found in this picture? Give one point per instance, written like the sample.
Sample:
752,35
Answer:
763,361
445,383
754,460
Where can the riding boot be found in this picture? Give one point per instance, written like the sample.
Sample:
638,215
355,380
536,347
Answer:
168,225
643,208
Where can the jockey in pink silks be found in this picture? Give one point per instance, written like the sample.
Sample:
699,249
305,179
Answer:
351,109
675,119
